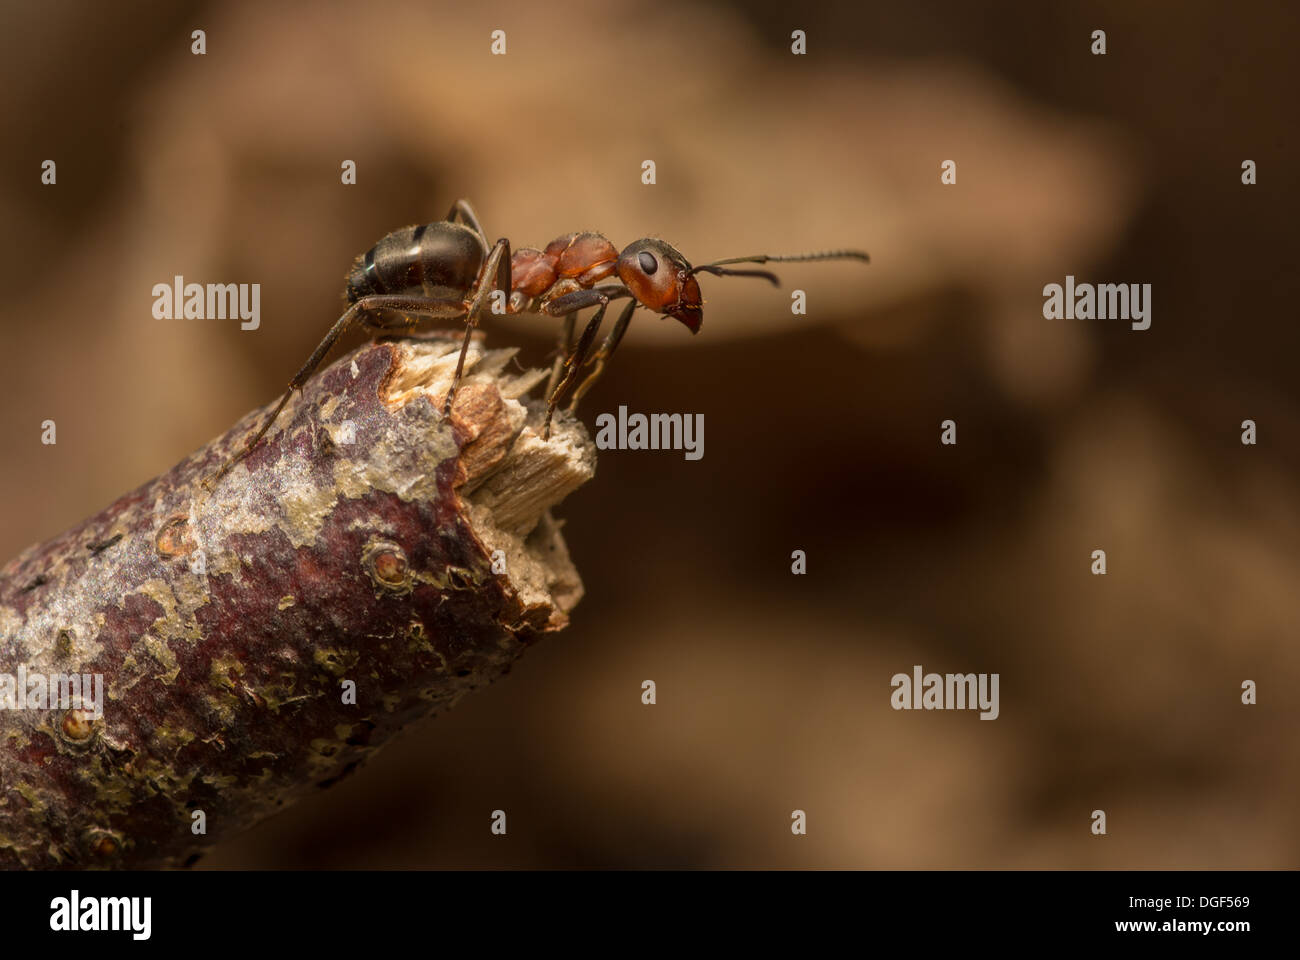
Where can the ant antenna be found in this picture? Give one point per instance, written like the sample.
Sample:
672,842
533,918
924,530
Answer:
717,269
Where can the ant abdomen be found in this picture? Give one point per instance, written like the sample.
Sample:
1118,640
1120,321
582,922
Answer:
435,260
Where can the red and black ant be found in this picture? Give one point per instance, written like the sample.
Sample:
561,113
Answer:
448,271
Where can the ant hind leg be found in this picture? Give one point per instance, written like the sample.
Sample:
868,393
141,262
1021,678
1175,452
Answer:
367,310
463,212
494,276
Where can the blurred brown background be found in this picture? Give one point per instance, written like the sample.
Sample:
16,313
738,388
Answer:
822,432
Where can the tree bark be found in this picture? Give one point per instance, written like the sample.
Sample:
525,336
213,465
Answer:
364,567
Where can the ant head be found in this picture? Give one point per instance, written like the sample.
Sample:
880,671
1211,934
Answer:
662,280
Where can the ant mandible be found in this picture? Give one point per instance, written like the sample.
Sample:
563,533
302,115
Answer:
448,271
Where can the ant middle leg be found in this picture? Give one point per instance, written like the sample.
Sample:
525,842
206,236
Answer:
369,311
562,351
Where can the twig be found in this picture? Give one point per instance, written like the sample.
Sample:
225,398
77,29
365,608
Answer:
364,567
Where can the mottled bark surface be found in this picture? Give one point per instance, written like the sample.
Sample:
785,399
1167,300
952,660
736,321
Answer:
225,622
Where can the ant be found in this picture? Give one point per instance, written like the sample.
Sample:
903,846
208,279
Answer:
448,271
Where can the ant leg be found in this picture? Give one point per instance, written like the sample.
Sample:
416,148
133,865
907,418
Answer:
582,299
574,363
361,310
495,275
564,306
602,355
462,211
562,351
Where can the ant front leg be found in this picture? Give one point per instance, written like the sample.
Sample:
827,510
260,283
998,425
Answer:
367,310
602,355
564,306
494,276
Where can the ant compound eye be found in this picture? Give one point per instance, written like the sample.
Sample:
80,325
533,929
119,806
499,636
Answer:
648,263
